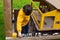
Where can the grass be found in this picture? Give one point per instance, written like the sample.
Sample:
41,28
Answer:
20,3
16,4
2,35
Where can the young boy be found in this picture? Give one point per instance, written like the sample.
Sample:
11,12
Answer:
23,19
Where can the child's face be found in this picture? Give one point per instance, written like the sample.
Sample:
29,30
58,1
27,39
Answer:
27,12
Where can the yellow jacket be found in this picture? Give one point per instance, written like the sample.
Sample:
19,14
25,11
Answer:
22,20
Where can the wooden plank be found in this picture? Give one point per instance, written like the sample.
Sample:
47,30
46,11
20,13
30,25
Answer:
55,3
7,17
49,37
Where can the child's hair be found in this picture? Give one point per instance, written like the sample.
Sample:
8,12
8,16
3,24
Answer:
27,9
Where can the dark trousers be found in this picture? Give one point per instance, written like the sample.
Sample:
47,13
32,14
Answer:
25,29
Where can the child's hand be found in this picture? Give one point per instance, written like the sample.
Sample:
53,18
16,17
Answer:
19,35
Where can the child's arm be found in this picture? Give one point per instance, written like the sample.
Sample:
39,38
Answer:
19,21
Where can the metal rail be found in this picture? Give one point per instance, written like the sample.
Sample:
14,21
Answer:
36,7
35,21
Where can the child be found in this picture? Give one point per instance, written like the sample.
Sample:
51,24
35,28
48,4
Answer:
23,19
